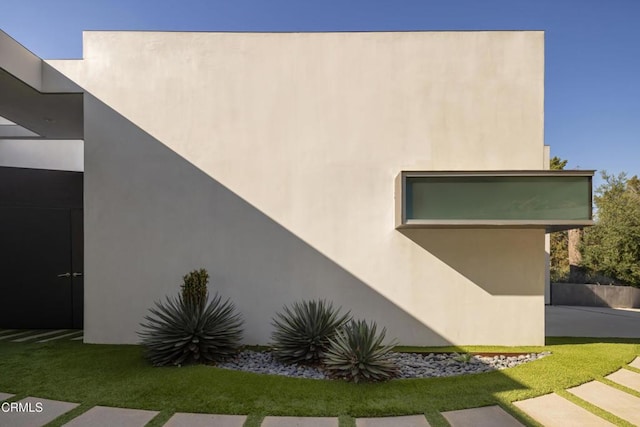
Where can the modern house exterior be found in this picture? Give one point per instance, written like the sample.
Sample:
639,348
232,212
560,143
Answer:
401,175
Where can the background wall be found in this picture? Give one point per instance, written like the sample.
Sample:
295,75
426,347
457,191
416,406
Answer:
42,154
270,160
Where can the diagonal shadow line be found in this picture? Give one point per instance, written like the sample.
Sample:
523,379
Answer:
142,199
151,216
498,270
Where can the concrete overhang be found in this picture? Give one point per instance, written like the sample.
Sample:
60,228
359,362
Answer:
553,200
30,102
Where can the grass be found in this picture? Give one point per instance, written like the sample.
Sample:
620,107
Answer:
119,376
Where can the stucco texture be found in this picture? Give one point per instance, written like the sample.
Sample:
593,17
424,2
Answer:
270,160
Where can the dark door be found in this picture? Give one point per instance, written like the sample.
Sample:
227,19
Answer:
37,281
41,249
77,268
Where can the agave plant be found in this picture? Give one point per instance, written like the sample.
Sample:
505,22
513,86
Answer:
302,332
181,331
356,353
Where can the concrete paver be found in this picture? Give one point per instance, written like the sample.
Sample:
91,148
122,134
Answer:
407,421
488,416
619,403
5,396
26,413
626,378
552,410
102,416
61,336
17,334
182,419
635,363
44,334
299,422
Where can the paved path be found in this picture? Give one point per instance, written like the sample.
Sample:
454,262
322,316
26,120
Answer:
554,411
39,335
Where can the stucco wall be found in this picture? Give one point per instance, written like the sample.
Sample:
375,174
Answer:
270,160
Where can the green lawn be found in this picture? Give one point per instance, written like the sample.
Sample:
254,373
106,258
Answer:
119,376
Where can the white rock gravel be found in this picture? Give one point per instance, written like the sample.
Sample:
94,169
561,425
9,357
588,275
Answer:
411,365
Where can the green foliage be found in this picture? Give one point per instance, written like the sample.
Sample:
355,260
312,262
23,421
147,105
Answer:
557,163
463,358
194,287
559,254
302,332
612,247
180,331
356,353
559,248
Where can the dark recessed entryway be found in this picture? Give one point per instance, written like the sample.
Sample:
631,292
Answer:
41,249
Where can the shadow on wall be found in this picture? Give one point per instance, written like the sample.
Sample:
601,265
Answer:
490,258
151,216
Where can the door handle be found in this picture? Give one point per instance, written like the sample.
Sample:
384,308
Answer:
67,274
77,274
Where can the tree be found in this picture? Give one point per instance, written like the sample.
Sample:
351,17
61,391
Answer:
559,248
557,163
612,247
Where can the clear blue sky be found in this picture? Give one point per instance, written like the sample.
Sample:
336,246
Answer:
592,81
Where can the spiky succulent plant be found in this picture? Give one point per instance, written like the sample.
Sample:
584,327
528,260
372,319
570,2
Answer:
302,331
180,331
356,353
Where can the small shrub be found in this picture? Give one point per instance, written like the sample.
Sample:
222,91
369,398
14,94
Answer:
194,287
463,358
179,332
356,353
302,332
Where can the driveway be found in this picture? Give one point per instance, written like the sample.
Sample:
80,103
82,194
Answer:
575,321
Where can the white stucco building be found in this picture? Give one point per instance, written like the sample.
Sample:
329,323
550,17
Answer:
400,175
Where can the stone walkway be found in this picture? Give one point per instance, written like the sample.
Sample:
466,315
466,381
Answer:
553,410
550,410
41,336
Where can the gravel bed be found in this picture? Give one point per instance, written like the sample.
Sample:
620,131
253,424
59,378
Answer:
411,365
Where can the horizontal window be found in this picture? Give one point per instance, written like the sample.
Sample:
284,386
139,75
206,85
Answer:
535,198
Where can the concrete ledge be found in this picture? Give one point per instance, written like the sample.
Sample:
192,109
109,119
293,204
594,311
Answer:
595,295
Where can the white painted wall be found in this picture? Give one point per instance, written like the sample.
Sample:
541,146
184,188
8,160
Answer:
546,164
42,154
270,160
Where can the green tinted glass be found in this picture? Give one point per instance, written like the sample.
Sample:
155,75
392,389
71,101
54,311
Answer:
498,198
